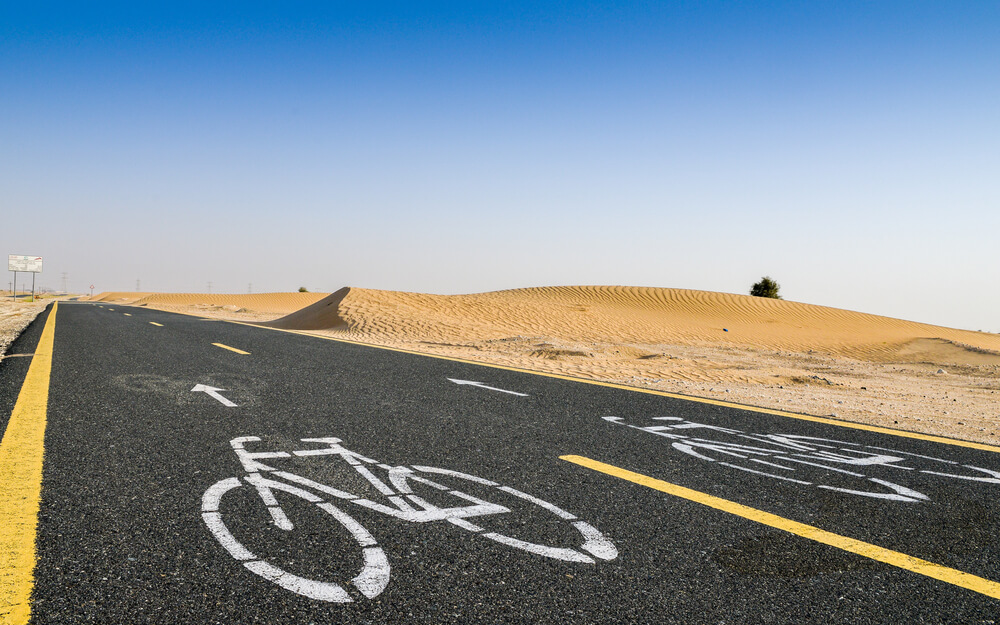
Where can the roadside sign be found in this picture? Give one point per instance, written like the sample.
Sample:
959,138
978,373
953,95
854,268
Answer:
32,264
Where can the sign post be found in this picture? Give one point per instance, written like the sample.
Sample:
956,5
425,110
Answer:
31,264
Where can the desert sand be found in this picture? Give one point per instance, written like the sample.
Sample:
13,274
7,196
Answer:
15,315
760,352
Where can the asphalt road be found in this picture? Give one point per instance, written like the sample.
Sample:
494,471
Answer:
127,534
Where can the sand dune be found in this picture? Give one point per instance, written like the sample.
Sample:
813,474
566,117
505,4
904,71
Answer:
634,315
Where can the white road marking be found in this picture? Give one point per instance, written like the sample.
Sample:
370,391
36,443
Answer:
213,392
820,453
557,553
490,388
559,512
903,493
375,570
597,544
323,591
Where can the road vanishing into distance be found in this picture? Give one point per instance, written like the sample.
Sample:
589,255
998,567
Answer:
200,471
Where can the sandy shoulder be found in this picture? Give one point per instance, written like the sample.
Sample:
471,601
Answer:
15,316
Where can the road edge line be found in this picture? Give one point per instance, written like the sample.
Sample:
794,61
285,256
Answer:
898,559
21,453
956,442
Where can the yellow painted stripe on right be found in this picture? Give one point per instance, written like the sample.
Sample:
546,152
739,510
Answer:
861,548
21,453
158,325
648,391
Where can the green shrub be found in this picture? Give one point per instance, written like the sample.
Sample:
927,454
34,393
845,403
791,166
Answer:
303,289
766,288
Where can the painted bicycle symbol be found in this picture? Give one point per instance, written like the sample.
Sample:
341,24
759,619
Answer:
840,466
406,493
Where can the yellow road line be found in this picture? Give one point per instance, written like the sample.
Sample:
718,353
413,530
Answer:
868,550
21,452
701,400
127,315
232,349
158,325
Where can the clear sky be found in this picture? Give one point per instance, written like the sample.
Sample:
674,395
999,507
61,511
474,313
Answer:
849,150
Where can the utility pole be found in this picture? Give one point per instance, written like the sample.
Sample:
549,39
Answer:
209,287
250,288
65,288
137,285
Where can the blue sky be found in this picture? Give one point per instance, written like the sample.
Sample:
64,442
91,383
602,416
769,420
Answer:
847,149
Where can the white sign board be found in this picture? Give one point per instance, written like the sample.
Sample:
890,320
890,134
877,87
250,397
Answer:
32,264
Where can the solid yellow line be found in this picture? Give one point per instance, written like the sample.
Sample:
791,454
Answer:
232,349
868,550
153,323
21,452
701,400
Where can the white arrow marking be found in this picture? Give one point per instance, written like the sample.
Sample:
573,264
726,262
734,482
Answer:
214,392
481,385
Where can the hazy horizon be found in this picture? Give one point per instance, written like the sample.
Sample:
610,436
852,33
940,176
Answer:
847,150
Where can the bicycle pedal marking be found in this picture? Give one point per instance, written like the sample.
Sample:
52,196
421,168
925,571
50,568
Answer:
746,452
398,489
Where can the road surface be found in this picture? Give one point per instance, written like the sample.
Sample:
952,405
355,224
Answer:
429,490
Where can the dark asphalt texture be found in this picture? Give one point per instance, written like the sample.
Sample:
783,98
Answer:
130,450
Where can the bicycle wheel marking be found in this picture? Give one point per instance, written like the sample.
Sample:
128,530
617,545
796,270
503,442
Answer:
210,513
371,581
559,512
397,500
824,459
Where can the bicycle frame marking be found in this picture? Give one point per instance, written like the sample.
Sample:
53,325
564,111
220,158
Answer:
801,451
404,504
